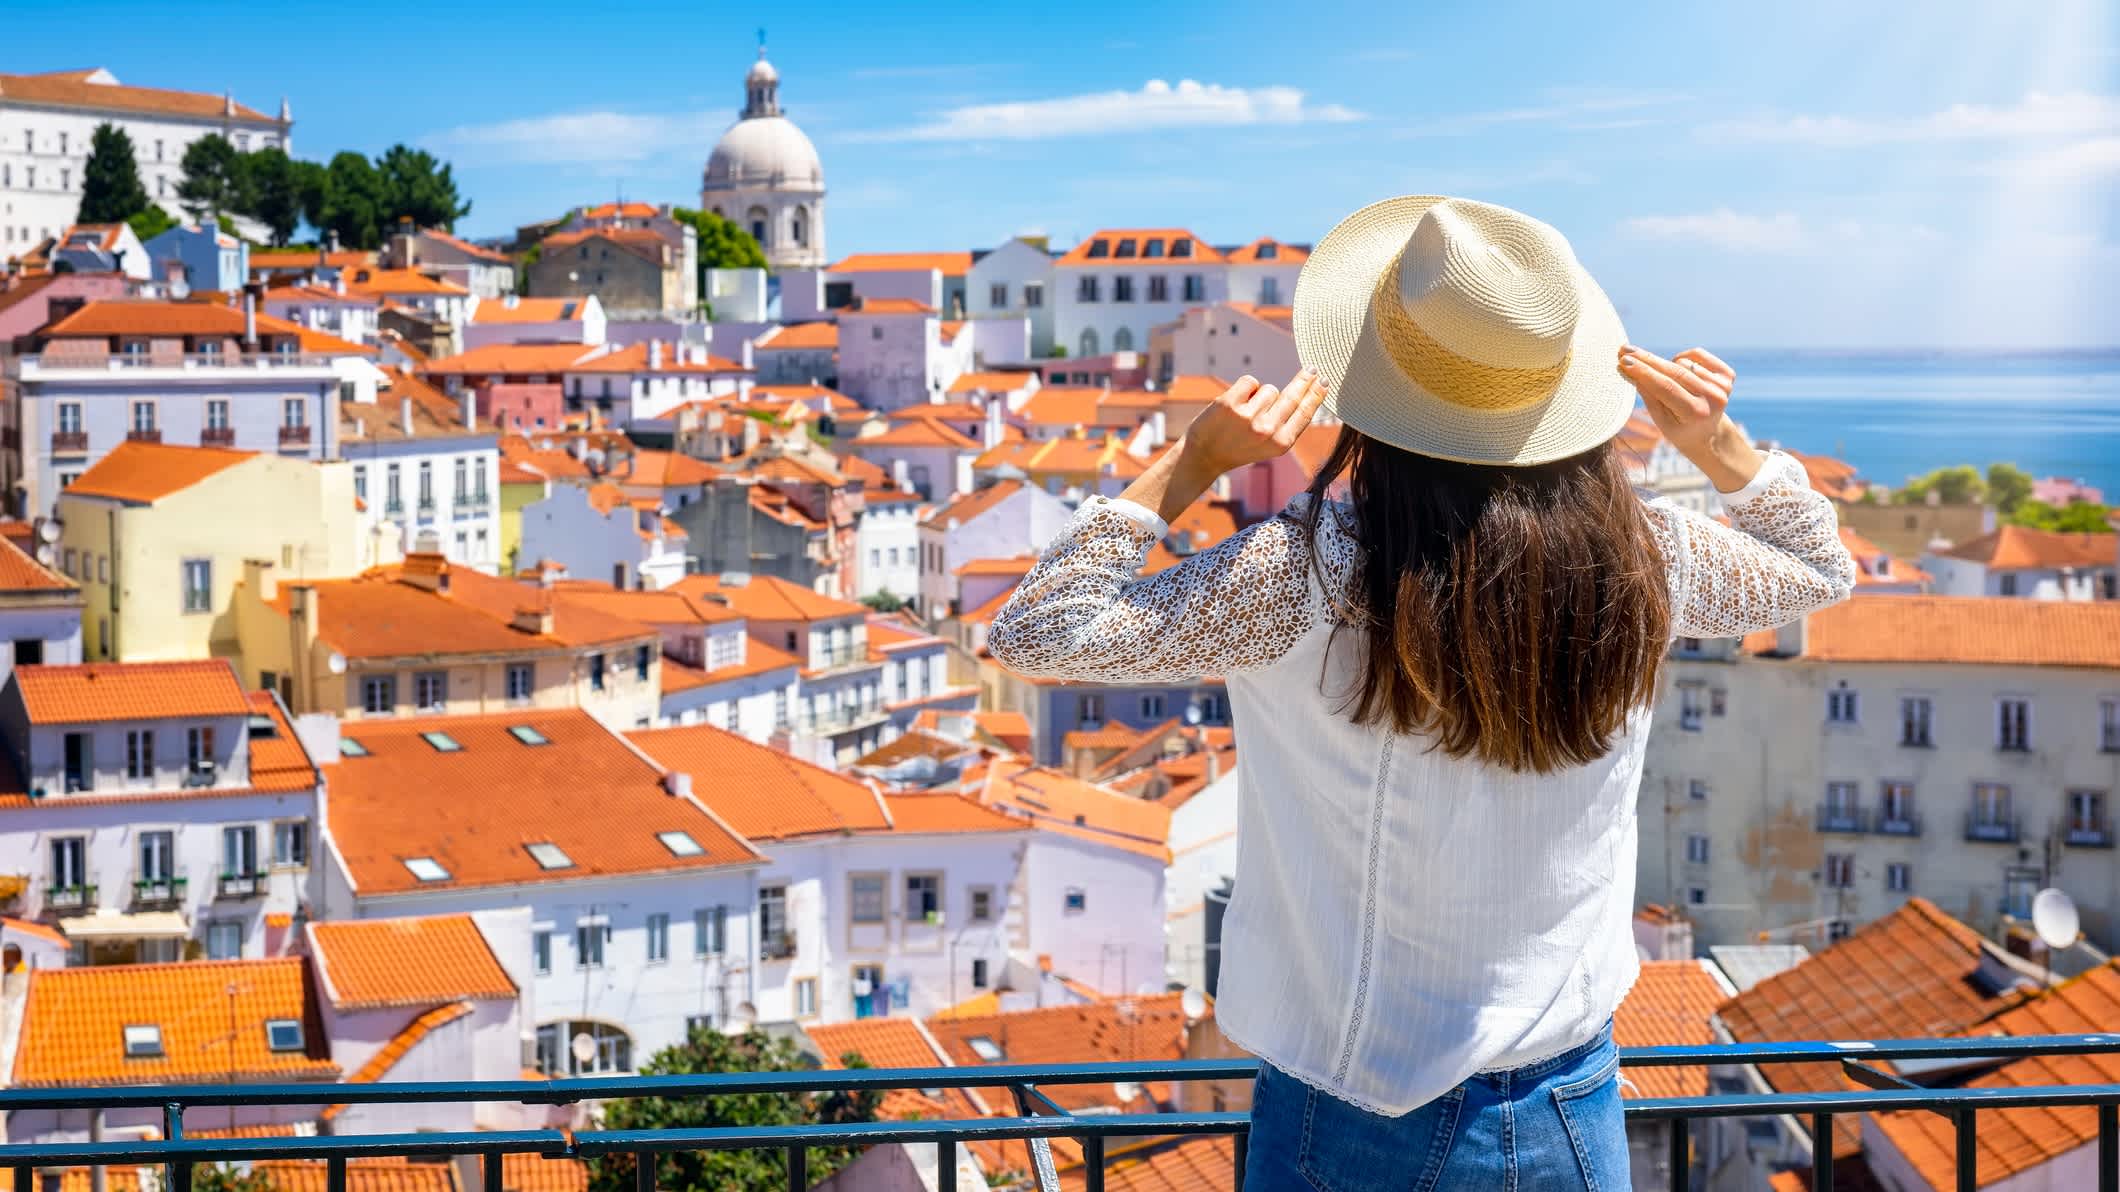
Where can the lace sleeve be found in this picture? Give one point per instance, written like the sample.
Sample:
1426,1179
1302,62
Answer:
1082,613
1782,559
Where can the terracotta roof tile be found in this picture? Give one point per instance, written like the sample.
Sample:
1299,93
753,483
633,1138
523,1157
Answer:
362,1175
820,334
1086,253
1992,630
1012,729
536,1173
617,210
943,812
367,280
388,1055
72,89
107,691
919,431
1149,1027
646,243
758,659
1672,1004
770,598
1017,565
1055,802
1284,253
638,358
888,306
972,504
74,1018
381,614
2015,547
1874,567
419,961
991,382
512,359
568,792
493,311
277,762
1066,457
20,572
949,264
1201,1164
140,473
880,1042
761,792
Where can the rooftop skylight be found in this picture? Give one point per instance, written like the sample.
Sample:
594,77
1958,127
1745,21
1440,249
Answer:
549,856
427,869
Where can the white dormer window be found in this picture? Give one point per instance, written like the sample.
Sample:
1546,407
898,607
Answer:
283,1034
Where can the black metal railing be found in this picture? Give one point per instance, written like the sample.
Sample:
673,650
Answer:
1842,817
1037,1118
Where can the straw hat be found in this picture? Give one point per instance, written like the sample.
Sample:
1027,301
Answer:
1461,330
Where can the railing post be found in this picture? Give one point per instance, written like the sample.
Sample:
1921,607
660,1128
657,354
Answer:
1968,1154
492,1170
335,1174
798,1169
2109,1148
1681,1154
946,1165
1093,1163
1821,1152
1243,1156
179,1173
25,1178
643,1171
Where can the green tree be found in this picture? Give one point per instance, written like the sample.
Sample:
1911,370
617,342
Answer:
721,243
727,1171
312,186
110,182
150,222
276,198
884,602
416,186
215,179
2076,517
221,1177
352,204
2008,486
1960,485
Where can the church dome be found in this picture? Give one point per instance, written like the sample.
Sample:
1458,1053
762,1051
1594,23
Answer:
764,151
762,72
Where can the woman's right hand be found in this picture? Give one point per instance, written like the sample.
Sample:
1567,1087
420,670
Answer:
1688,397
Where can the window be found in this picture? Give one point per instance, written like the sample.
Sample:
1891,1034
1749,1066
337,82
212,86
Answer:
1122,289
596,672
997,295
1991,805
283,1034
1076,900
426,869
1898,877
2086,816
294,413
290,843
549,856
982,904
527,735
865,895
1152,707
642,656
1089,710
348,747
140,753
1123,340
1718,701
426,484
69,418
393,490
224,940
430,691
979,973
773,919
658,938
2008,586
1210,708
1696,850
680,844
1697,789
143,1041
70,863
239,851
923,898
1195,286
2013,724
521,679
217,419
197,577
710,926
805,997
1689,707
1895,810
541,951
1034,294
1915,716
1840,705
442,742
143,412
589,938
2109,724
1840,798
379,695
985,1048
158,856
1839,870
1159,288
463,480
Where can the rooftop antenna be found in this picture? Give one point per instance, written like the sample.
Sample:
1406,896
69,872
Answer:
2054,917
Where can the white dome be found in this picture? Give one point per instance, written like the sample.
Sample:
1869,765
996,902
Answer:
764,151
762,72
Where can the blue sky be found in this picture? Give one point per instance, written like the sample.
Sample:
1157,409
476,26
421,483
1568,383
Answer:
1807,173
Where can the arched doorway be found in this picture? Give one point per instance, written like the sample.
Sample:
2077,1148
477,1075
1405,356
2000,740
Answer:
609,1048
1089,341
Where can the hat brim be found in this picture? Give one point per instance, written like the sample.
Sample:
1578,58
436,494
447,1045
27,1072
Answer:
1336,334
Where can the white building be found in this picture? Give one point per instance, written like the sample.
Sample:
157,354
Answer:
40,612
1117,285
713,671
933,279
2037,564
102,248
48,120
887,539
317,307
891,354
640,899
155,807
484,272
916,676
598,531
645,381
514,320
1230,339
764,175
425,470
1015,280
1004,519
1264,272
798,354
1203,859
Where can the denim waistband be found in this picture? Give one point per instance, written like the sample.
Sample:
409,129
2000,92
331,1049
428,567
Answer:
1551,1063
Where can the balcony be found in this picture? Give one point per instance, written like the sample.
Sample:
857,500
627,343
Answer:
426,507
240,885
158,893
294,436
1991,828
36,363
1842,818
217,436
144,435
1028,1114
394,506
844,722
69,900
776,945
1902,823
2096,832
473,504
69,442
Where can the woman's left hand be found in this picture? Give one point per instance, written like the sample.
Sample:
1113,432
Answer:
1250,423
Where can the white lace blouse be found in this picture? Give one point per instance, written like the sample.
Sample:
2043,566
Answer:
1402,918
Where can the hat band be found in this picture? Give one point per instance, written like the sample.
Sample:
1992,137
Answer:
1447,376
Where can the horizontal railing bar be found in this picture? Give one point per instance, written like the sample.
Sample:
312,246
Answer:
1872,1101
591,1143
242,1150
1822,1051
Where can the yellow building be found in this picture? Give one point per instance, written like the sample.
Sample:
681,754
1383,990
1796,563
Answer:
527,476
157,536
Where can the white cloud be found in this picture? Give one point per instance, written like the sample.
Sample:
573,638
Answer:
580,138
1157,105
1725,229
2073,163
1581,111
2036,115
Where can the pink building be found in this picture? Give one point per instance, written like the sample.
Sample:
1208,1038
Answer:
2055,490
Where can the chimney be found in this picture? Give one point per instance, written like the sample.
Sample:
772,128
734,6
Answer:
901,476
993,425
258,578
678,783
426,570
1161,434
1789,639
535,620
469,404
654,353
405,414
253,293
302,598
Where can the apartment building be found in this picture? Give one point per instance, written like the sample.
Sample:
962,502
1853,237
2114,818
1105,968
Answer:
839,711
1961,749
1014,281
1117,285
2036,564
154,811
713,670
1003,519
597,530
40,611
425,469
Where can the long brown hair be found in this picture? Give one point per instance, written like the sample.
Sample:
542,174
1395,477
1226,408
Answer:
1512,614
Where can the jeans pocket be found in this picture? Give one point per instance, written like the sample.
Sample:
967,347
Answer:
1594,1118
1348,1149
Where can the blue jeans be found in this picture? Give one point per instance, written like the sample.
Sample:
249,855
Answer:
1554,1125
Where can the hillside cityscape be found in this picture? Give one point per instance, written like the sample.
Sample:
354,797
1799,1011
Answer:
564,654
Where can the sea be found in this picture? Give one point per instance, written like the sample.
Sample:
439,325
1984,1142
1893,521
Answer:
1900,414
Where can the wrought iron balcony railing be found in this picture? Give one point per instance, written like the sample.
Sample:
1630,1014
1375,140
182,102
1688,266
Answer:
1988,826
1037,1119
1842,817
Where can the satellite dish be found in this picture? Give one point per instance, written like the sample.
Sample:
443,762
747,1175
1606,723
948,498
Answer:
1192,714
45,554
1194,1003
745,1018
336,663
48,529
2054,917
584,1049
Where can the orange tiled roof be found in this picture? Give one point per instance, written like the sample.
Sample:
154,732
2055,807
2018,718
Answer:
1106,457
888,306
1833,477
2016,547
770,598
928,813
1284,253
636,358
465,246
881,1042
398,281
646,243
990,382
1200,526
1869,557
1063,405
615,210
1200,1164
434,414
666,606
140,473
269,259
763,793
789,469
72,89
513,359
277,762
379,614
758,659
973,504
1201,251
1989,630
97,692
1069,806
74,1018
362,1175
528,310
584,790
20,572
1670,1005
663,469
820,334
1908,975
417,961
1012,729
1150,1027
387,1056
919,431
949,264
